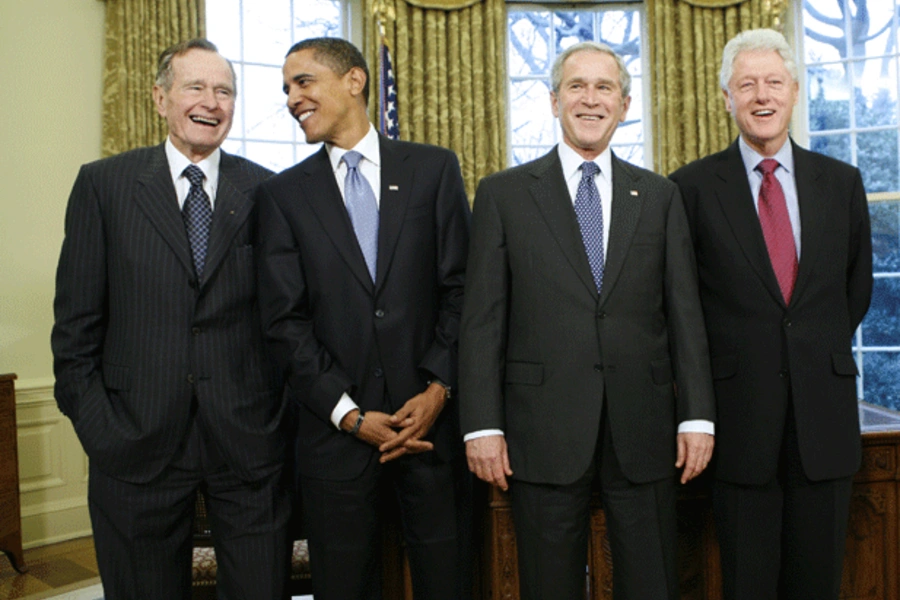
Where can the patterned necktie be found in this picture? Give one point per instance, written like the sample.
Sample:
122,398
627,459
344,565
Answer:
363,209
197,214
776,228
590,219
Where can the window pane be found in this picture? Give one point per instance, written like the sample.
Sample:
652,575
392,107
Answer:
836,146
528,43
266,115
876,94
529,123
823,23
572,27
881,327
878,160
881,372
267,34
277,157
316,18
223,27
829,98
885,218
525,154
633,153
877,38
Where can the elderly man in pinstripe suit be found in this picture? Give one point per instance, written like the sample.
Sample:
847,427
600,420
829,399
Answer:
158,353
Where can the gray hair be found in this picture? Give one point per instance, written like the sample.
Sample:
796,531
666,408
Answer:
755,40
556,72
164,75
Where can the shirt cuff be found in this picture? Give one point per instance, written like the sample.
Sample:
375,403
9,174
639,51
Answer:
344,405
697,426
481,433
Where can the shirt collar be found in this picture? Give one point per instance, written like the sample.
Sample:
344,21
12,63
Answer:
751,158
572,161
368,146
178,162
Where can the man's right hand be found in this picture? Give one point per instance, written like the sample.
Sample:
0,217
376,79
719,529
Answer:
376,430
488,459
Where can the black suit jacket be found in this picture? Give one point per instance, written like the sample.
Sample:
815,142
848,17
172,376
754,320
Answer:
331,329
540,351
137,336
762,350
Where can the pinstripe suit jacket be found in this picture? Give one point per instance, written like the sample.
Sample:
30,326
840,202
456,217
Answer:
137,335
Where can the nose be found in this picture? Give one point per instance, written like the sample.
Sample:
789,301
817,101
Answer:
210,98
591,96
294,96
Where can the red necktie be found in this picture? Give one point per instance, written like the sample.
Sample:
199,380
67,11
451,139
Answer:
776,228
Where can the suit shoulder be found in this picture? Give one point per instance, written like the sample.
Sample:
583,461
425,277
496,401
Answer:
700,168
649,178
835,167
518,174
127,160
249,169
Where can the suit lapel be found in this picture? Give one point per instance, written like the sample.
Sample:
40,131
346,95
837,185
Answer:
550,193
321,192
155,195
396,185
738,205
812,214
626,212
233,207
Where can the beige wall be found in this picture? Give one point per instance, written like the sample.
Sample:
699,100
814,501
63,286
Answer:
52,54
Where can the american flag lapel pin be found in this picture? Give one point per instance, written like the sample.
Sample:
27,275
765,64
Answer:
393,188
634,192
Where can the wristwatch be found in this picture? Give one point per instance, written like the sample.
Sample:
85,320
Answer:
443,385
359,420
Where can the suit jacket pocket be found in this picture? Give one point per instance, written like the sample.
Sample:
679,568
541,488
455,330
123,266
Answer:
843,364
116,377
524,373
661,370
723,367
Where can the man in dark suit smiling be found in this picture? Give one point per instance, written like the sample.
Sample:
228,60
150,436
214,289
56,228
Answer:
581,315
158,350
361,286
785,262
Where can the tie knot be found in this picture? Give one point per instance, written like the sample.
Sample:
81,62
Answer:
194,174
589,168
352,158
767,166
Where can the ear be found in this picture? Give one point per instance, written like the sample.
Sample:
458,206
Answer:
626,103
727,96
159,98
554,104
356,78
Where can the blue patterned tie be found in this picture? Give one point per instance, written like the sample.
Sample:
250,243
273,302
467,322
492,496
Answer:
197,214
363,209
590,219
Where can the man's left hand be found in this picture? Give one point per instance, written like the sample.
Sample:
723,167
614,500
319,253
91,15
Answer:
415,418
694,451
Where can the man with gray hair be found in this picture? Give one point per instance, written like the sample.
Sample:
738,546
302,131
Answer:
581,316
784,256
158,350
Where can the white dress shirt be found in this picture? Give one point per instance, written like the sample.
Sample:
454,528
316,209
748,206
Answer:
178,162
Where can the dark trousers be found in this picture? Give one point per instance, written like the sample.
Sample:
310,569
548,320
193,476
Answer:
552,524
784,540
343,520
143,532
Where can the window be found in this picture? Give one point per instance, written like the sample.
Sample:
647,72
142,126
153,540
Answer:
535,38
850,55
255,36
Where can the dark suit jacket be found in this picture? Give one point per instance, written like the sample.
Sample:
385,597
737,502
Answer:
762,350
331,329
137,336
540,351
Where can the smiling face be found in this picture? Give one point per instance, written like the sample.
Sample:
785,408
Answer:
199,106
329,107
589,103
761,96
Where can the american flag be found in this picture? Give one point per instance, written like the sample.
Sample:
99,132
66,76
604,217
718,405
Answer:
387,95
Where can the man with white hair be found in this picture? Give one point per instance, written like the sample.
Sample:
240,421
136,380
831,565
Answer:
784,257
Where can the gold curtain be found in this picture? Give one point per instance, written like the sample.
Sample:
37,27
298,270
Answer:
686,42
136,32
450,69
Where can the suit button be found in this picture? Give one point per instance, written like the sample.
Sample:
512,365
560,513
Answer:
787,322
379,313
190,378
601,315
195,330
598,367
379,372
783,373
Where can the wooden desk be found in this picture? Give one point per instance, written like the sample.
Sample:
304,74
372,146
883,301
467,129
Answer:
10,513
871,564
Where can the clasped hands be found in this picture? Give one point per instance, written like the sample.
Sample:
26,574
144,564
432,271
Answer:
402,432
